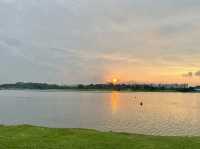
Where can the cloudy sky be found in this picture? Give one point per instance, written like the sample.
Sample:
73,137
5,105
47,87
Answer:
82,41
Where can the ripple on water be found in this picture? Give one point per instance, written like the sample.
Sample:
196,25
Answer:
161,113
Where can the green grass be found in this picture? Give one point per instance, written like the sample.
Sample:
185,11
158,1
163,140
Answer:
29,137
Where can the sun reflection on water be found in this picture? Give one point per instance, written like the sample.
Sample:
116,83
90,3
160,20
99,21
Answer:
114,99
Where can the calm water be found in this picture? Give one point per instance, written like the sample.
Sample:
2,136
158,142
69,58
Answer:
161,114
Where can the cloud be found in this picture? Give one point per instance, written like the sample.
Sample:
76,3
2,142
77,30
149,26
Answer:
189,74
76,40
197,73
8,1
192,74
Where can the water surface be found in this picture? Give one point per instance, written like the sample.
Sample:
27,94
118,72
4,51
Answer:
161,113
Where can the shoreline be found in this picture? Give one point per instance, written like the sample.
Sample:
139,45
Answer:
102,90
27,136
91,129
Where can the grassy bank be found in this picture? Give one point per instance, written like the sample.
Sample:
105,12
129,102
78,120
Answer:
29,137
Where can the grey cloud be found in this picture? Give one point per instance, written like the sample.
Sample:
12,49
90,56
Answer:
76,40
197,73
189,74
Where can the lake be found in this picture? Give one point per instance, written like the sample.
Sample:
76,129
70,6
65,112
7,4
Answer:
161,113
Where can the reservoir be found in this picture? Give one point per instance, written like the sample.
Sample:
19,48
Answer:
153,113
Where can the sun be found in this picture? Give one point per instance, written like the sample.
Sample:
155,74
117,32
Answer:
114,80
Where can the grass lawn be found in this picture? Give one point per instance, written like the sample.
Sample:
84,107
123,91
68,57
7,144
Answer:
29,137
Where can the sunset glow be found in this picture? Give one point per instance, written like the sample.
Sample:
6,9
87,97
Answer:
100,41
114,80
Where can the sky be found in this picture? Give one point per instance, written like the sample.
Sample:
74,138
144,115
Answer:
93,41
